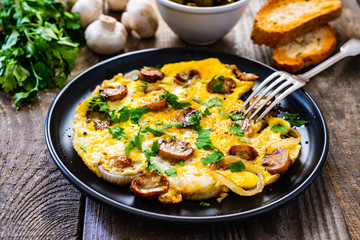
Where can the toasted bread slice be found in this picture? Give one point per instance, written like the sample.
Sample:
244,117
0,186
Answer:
306,50
279,21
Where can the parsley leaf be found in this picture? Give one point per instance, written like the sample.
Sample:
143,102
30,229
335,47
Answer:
136,141
181,163
213,102
233,116
206,112
203,141
237,166
120,115
148,154
236,129
36,46
244,140
172,99
294,120
158,122
217,87
117,132
171,172
146,84
99,101
213,157
83,147
279,128
204,204
137,113
169,134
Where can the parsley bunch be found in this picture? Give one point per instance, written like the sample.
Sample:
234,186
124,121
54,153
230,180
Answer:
36,48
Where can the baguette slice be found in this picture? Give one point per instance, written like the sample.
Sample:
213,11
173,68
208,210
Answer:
306,50
279,21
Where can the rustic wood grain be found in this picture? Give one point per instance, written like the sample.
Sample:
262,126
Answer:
37,202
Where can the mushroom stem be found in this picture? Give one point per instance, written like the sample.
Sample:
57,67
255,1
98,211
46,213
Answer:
108,23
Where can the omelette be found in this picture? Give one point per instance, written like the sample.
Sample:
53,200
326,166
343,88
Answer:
174,132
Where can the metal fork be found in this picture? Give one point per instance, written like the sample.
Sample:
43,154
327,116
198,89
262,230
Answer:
350,48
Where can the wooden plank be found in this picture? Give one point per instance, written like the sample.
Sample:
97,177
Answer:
36,200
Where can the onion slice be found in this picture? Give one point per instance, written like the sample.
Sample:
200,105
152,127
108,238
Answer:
285,142
118,178
239,190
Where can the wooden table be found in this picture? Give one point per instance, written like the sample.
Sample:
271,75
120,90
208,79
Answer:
38,202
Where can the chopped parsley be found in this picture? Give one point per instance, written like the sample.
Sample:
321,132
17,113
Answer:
136,141
99,101
146,84
147,68
294,120
204,204
233,116
171,172
236,129
213,157
181,163
158,122
169,134
137,113
237,166
145,123
172,99
279,128
83,147
213,102
186,86
120,115
158,66
117,132
217,87
148,154
160,131
206,112
244,140
203,141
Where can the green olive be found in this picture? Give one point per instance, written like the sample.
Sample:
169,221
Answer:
204,3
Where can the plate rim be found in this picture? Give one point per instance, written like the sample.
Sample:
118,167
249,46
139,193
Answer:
98,196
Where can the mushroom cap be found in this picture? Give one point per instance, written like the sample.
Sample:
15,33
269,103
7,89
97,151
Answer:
89,11
106,35
142,17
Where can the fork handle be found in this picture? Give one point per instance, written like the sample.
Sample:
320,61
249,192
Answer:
350,48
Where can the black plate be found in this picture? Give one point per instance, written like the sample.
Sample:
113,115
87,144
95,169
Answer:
58,133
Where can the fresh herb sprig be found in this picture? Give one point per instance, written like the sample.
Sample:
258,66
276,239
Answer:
37,46
173,100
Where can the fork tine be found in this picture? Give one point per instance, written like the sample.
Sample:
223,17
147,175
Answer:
266,81
259,97
278,89
296,86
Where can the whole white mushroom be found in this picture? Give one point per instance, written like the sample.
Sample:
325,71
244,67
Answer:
106,35
141,17
89,11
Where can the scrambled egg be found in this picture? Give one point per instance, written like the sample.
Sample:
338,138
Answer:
190,179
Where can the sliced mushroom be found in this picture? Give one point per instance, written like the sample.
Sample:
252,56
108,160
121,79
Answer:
221,165
152,88
243,151
292,133
150,185
244,124
243,76
121,161
150,74
99,119
221,85
118,178
114,94
273,112
184,78
175,150
184,115
278,162
156,105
